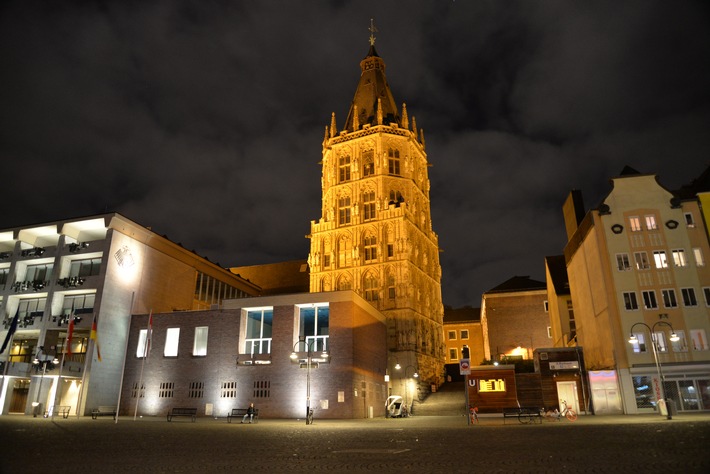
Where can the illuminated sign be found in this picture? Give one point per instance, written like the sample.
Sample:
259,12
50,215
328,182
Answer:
564,365
491,385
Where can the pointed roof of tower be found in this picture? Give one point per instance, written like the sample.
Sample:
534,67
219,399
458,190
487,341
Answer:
372,93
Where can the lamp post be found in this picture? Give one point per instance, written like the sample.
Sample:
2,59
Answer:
308,344
406,385
674,337
38,364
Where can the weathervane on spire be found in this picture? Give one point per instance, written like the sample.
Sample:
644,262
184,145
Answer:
373,30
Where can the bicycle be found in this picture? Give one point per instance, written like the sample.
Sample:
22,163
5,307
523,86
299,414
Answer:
569,413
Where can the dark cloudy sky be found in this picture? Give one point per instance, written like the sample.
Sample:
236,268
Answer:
204,120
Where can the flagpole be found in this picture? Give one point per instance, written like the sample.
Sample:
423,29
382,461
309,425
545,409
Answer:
59,380
83,378
125,356
145,356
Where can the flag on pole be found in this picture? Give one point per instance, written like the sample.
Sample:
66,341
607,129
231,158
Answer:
150,335
70,332
11,331
95,338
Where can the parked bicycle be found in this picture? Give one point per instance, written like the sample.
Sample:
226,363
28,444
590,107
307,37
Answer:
556,415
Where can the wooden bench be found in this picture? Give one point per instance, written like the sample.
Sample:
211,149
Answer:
191,412
59,410
103,411
240,412
525,415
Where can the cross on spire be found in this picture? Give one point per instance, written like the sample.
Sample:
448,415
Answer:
373,30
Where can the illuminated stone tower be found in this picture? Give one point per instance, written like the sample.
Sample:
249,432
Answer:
375,235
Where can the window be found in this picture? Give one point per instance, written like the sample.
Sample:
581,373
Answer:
680,345
651,222
630,302
659,338
689,297
390,250
368,205
622,262
641,261
85,268
679,258
699,339
31,308
259,328
142,347
172,337
79,304
344,210
228,390
393,161
669,300
343,169
453,354
199,347
326,261
370,286
4,272
649,299
659,256
706,293
464,334
689,221
368,163
635,224
699,259
314,322
572,322
391,292
370,248
639,345
452,335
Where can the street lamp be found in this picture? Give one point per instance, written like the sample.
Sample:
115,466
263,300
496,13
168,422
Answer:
308,344
42,364
674,337
406,385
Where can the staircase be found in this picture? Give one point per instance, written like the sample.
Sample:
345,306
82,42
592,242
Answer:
448,400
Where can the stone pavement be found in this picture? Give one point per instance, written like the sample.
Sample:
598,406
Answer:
421,444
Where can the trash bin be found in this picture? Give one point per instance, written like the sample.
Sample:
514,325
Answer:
670,406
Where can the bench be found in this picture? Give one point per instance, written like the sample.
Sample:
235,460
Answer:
240,412
103,411
525,415
191,412
59,410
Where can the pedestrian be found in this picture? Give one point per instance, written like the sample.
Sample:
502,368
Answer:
250,413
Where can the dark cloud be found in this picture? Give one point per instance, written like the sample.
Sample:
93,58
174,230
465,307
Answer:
204,120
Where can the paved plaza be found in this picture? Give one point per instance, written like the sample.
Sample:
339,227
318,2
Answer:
425,444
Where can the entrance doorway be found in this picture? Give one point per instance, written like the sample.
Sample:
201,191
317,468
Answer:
20,393
567,391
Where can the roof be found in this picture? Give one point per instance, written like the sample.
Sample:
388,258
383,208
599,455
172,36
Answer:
518,283
461,315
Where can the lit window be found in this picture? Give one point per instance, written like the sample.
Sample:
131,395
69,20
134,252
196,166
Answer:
314,323
699,339
259,328
343,169
660,339
370,248
142,343
344,210
393,162
639,345
680,345
689,221
699,259
368,205
649,299
669,300
679,258
622,262
172,337
641,259
689,297
630,302
651,223
659,256
635,224
199,347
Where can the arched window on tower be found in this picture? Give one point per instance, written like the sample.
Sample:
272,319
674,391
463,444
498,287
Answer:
368,206
343,169
370,286
393,162
396,198
368,163
370,248
344,210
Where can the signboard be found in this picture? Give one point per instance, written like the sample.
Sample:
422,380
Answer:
465,366
564,365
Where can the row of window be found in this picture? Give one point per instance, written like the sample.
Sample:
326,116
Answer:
667,295
698,339
463,333
635,222
43,271
368,165
313,324
660,259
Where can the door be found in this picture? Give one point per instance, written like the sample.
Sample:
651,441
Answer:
20,392
568,391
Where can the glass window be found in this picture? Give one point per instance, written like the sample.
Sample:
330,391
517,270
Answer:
641,261
172,337
453,353
39,272
660,339
689,221
368,205
635,224
630,302
452,335
464,334
79,304
4,272
344,210
314,326
639,345
370,247
643,390
343,169
371,291
706,293
680,345
391,293
259,331
199,347
85,268
689,297
699,339
679,258
699,259
669,300
142,343
651,222
622,262
659,256
368,163
649,299
393,162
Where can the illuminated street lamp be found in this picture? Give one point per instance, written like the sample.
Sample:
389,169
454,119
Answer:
406,385
42,364
674,337
309,358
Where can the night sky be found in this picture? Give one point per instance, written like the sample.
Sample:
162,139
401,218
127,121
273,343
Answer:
204,120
